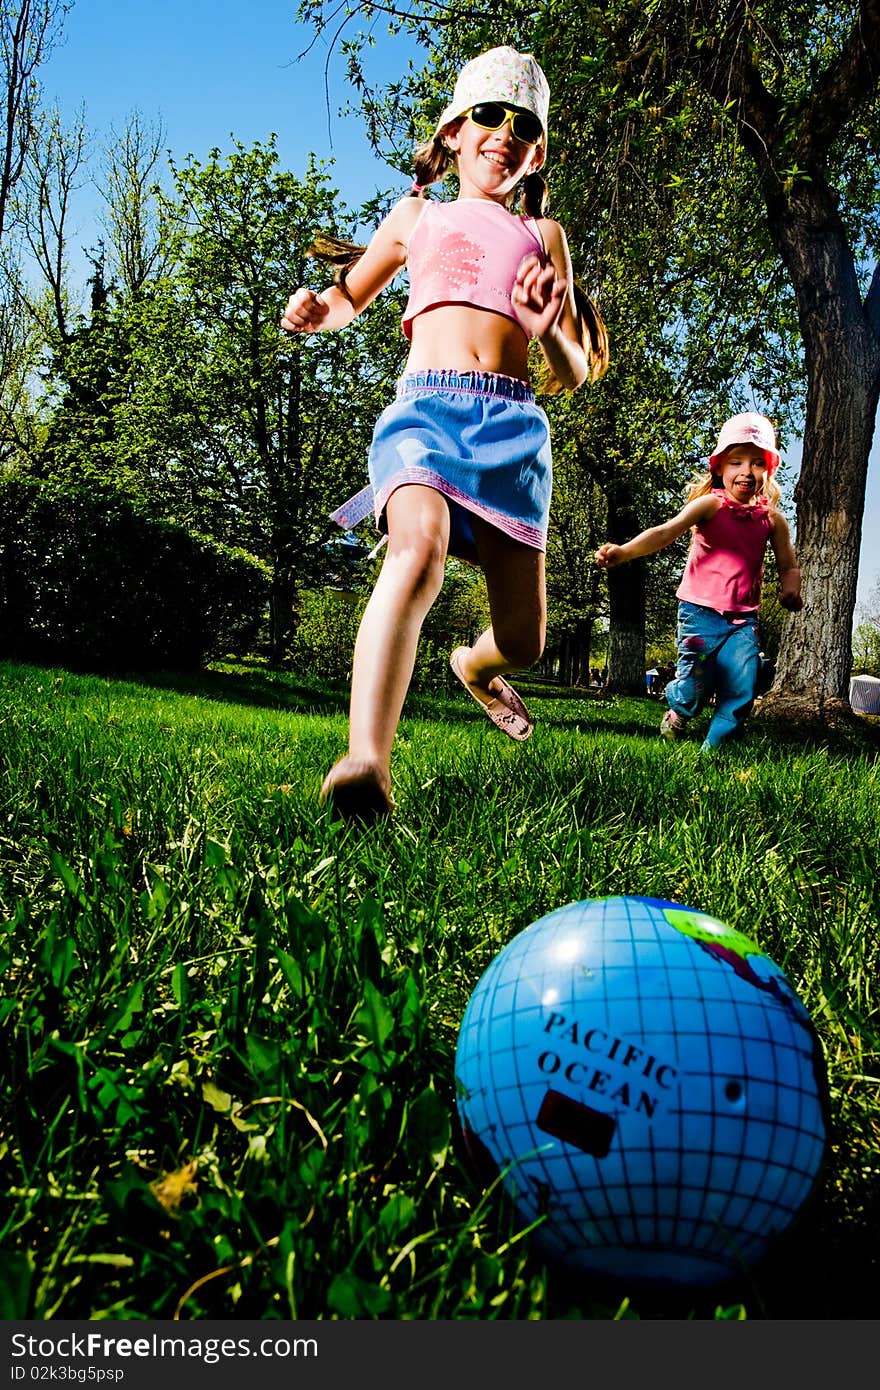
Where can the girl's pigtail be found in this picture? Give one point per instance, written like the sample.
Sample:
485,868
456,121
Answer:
534,195
771,489
594,334
431,161
344,255
594,340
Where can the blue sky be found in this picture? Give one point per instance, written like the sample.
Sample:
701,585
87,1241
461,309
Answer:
212,70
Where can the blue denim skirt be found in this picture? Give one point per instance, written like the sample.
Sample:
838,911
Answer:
480,440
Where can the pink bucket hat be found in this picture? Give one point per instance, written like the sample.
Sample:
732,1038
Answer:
500,74
749,428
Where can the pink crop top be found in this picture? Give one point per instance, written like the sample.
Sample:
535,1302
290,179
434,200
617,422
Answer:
467,252
725,564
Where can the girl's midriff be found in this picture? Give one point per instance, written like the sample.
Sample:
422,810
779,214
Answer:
459,338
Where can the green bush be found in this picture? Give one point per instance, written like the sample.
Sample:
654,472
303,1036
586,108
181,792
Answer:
866,649
328,619
327,623
92,581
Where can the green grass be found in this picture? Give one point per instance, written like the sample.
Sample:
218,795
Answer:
228,1026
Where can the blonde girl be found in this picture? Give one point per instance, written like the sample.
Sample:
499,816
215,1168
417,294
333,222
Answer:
733,514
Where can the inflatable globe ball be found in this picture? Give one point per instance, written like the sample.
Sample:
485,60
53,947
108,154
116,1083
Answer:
650,1087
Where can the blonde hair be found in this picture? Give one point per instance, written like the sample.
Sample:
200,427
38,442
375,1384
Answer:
432,161
593,337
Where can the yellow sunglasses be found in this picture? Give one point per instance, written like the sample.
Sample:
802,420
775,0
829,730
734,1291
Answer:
492,115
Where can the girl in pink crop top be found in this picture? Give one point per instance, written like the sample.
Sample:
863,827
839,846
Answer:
732,513
460,462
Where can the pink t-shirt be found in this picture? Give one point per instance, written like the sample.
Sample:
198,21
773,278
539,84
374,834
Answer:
725,564
467,252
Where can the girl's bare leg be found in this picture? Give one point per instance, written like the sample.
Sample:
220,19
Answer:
410,580
515,579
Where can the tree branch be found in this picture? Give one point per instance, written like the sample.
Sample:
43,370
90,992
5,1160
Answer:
728,74
843,86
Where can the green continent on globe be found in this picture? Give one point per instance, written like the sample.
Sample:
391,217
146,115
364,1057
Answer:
709,930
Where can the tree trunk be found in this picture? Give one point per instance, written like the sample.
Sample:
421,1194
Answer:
626,603
565,662
574,654
282,596
842,357
626,635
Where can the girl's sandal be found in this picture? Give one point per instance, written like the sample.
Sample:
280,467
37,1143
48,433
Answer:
506,710
357,791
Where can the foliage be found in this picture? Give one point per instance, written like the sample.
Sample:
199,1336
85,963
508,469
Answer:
685,320
866,649
261,410
327,622
178,387
326,628
178,384
229,1026
90,579
866,638
718,181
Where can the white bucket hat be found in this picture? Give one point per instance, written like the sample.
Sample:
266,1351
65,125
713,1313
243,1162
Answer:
749,428
500,74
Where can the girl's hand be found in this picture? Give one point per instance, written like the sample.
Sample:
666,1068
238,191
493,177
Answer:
537,296
610,555
793,602
305,312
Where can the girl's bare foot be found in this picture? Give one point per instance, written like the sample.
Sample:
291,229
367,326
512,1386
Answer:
358,790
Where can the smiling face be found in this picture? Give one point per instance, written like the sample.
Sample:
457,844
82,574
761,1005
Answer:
490,162
742,470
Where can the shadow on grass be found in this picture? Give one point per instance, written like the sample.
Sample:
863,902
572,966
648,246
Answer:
856,735
815,1267
258,685
639,716
252,682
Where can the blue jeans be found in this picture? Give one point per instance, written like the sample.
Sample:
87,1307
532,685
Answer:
716,656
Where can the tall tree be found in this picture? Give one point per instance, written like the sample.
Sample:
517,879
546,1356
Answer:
669,291
20,359
757,124
283,424
130,174
28,31
39,319
791,90
803,92
54,170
